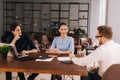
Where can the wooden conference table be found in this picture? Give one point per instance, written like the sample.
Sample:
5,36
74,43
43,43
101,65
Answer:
53,67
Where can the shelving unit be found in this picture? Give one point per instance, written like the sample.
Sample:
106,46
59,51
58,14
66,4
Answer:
84,16
40,17
36,17
64,13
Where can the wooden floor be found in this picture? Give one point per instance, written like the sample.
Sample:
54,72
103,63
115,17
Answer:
39,77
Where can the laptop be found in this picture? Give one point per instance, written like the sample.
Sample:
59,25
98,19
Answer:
18,56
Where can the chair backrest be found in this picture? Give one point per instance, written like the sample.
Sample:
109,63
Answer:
112,73
4,37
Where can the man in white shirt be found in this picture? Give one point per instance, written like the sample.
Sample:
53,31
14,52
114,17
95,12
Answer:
107,54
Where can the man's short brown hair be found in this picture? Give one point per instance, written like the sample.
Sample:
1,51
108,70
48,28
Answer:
105,31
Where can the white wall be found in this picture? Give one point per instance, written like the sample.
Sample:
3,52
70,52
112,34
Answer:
94,18
114,18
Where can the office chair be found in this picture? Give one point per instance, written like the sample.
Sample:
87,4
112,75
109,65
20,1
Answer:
112,73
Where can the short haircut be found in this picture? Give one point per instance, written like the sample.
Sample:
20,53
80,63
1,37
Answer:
105,31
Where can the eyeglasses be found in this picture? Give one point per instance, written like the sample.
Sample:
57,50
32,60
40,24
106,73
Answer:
98,36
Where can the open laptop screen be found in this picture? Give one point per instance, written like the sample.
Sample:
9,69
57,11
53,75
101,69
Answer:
18,56
14,52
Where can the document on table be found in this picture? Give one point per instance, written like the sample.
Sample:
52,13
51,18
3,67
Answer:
47,59
63,58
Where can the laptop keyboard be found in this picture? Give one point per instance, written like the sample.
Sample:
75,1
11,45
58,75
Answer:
25,58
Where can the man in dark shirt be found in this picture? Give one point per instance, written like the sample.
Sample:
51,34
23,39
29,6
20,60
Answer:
24,45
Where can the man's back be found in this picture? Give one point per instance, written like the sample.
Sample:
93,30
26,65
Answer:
110,55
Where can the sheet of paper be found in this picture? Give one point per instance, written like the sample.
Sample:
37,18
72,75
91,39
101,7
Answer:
63,58
47,60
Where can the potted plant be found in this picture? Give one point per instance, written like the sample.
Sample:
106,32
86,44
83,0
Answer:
4,48
79,32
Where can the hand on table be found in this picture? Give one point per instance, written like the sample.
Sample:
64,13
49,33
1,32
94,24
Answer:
71,56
